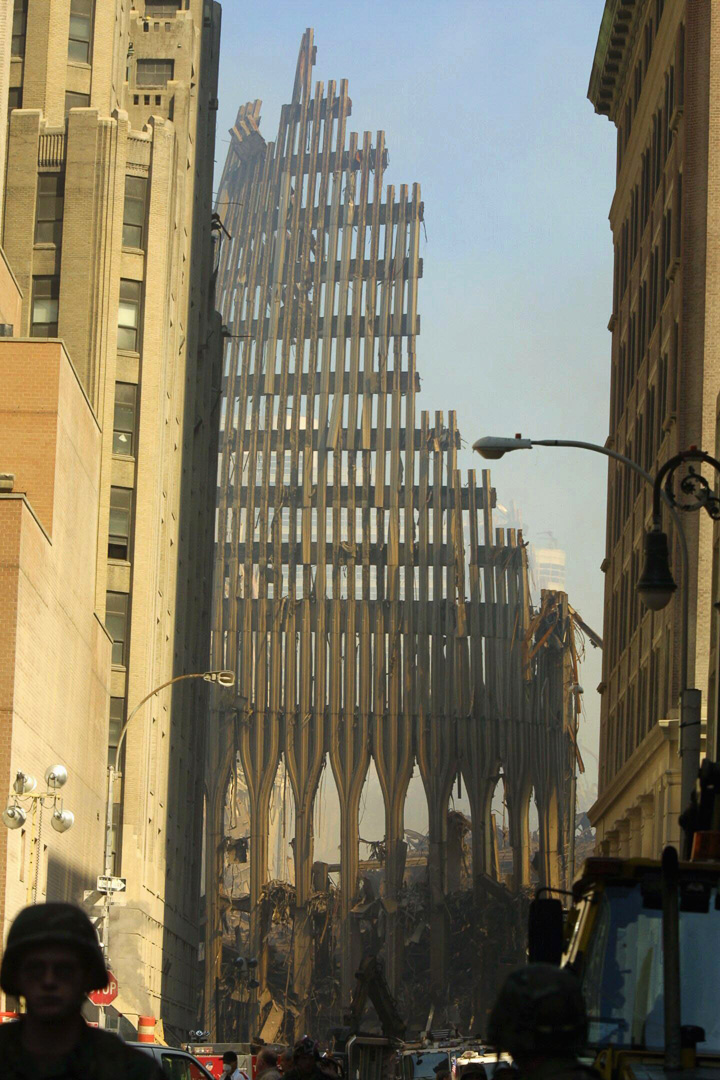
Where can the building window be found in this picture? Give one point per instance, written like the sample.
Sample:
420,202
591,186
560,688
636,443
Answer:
14,99
154,72
128,315
117,719
81,17
162,9
121,500
76,101
116,619
19,28
134,213
49,211
125,419
46,291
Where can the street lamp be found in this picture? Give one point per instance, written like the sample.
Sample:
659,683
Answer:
221,678
656,585
15,814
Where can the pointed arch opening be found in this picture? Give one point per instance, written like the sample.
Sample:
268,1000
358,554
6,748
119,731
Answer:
459,839
502,862
281,828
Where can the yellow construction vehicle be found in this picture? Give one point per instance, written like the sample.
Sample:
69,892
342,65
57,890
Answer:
643,936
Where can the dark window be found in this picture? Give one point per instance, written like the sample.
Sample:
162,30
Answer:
125,419
116,619
14,99
49,211
46,291
19,28
162,8
154,72
121,500
81,17
117,719
75,101
128,315
134,213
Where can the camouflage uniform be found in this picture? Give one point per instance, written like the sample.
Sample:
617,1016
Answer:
539,1017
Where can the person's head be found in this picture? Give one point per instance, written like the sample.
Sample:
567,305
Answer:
442,1071
52,959
539,1013
229,1061
285,1061
266,1059
305,1055
476,1071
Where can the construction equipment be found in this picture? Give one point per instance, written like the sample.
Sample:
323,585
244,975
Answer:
643,937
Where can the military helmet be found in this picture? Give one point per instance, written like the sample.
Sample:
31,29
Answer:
540,1009
52,924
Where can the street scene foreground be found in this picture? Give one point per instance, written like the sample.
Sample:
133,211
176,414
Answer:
339,738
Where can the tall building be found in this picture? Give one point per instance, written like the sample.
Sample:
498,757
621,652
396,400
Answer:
654,77
108,230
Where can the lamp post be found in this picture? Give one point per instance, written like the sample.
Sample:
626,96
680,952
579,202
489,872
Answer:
222,678
15,814
656,584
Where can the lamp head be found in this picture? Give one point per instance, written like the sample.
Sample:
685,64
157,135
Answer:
493,447
14,817
56,776
24,783
224,678
656,584
62,820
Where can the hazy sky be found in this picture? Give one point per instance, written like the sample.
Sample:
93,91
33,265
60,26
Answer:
484,104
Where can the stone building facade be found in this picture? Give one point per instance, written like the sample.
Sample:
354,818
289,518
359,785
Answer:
654,77
107,227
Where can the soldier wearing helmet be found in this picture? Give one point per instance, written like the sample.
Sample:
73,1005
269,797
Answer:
539,1018
306,1061
52,960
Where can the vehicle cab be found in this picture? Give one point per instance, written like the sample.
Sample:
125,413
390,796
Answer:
614,942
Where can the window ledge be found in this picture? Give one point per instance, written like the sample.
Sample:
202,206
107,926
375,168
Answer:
123,457
128,352
134,250
119,667
119,562
45,245
81,64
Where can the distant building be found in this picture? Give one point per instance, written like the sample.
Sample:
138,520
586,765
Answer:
107,147
548,567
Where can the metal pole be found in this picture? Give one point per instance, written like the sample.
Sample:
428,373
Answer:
671,959
113,775
110,805
29,898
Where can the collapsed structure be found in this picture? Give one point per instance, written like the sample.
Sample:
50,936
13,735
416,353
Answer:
371,611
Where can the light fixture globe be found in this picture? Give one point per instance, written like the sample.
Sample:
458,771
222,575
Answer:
56,776
24,783
14,817
62,820
656,584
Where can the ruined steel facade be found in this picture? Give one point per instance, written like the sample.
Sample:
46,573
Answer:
362,595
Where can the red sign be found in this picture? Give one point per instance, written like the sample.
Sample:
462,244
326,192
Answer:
106,996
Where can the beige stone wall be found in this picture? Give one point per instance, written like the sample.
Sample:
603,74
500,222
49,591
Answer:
164,134
659,87
54,665
10,296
